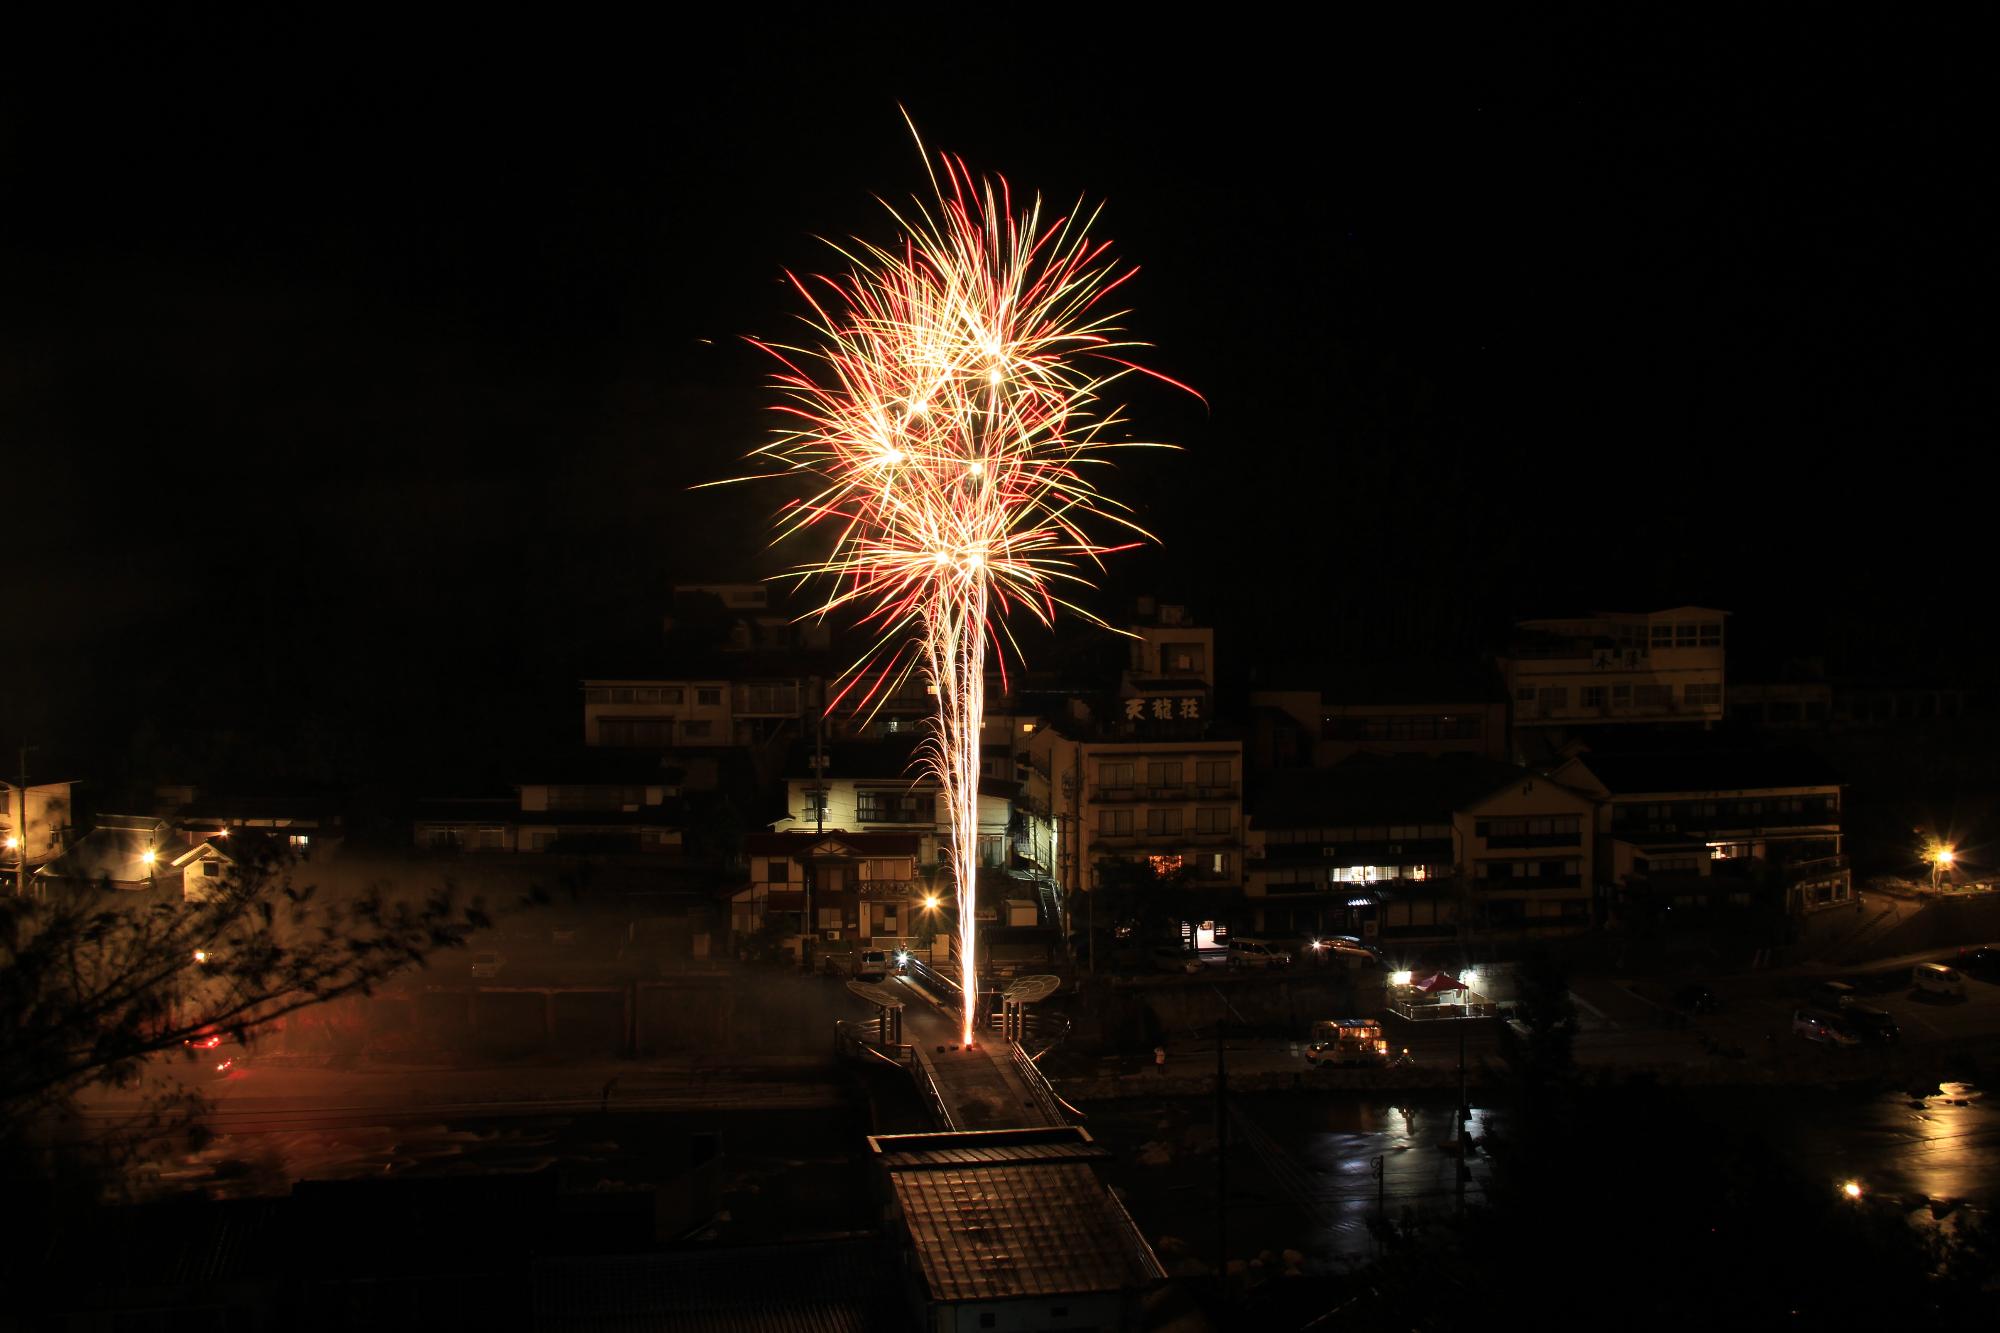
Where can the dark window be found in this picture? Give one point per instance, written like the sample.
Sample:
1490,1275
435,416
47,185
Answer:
708,698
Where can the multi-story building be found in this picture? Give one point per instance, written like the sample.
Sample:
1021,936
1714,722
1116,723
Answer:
1409,847
1711,830
604,804
1393,709
1659,667
1170,803
1141,777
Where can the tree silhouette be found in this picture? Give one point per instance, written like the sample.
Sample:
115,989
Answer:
95,983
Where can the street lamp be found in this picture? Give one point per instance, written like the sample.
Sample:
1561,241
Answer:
1941,859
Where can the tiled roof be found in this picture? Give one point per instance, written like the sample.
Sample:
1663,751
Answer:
1377,789
1710,770
797,842
992,1231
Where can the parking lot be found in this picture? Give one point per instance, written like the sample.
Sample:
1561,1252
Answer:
1755,1010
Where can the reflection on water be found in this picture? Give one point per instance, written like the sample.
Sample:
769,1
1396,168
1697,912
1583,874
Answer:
1943,1147
1321,1151
1344,1161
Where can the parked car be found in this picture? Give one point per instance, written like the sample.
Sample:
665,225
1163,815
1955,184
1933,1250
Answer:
487,963
1833,995
1256,953
1695,999
1350,944
1870,1023
871,964
1937,979
1824,1028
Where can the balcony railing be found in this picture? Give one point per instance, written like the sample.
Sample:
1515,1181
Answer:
1535,840
1823,867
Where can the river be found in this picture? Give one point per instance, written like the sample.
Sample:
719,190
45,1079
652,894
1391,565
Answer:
1303,1168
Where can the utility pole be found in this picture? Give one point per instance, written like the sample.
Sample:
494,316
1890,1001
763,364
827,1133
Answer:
1463,1116
1221,1157
21,830
808,928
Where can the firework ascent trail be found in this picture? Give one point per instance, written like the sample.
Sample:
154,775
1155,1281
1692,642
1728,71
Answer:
947,413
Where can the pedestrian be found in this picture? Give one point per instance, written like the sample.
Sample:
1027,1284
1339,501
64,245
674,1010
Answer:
1160,1059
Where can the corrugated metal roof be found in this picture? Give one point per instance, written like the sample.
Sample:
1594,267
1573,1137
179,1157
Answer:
990,1232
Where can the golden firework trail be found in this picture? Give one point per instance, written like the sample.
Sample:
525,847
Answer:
949,410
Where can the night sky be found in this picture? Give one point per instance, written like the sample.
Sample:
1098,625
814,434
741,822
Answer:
352,378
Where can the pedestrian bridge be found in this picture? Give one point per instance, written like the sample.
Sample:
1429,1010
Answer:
994,1084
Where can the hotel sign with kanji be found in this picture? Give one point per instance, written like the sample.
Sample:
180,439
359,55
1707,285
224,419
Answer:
1184,708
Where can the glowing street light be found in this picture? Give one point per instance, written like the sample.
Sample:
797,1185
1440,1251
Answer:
930,902
1851,1189
1941,858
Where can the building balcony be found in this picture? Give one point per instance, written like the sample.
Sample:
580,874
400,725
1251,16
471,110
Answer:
1530,884
1536,840
1227,792
1824,867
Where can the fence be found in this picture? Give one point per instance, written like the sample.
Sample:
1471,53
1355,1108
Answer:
1428,1011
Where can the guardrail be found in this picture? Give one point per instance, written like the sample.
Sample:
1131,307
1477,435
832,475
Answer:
920,1071
1149,1262
1057,1111
855,1036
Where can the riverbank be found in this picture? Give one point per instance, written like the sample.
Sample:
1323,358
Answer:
1273,1068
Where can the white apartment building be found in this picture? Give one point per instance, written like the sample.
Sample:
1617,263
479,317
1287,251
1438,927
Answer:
1615,667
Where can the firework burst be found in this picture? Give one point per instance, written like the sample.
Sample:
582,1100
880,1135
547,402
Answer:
950,411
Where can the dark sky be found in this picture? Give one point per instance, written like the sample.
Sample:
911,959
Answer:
361,372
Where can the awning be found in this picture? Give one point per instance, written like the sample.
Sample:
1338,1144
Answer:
1437,982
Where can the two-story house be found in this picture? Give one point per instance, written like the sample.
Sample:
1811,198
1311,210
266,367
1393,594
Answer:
1713,830
885,787
34,827
858,889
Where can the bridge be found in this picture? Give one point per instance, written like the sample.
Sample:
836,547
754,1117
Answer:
994,1084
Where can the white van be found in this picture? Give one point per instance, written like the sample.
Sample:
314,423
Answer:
1937,979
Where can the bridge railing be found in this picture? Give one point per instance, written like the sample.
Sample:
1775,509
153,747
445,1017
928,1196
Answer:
861,1038
1050,1102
